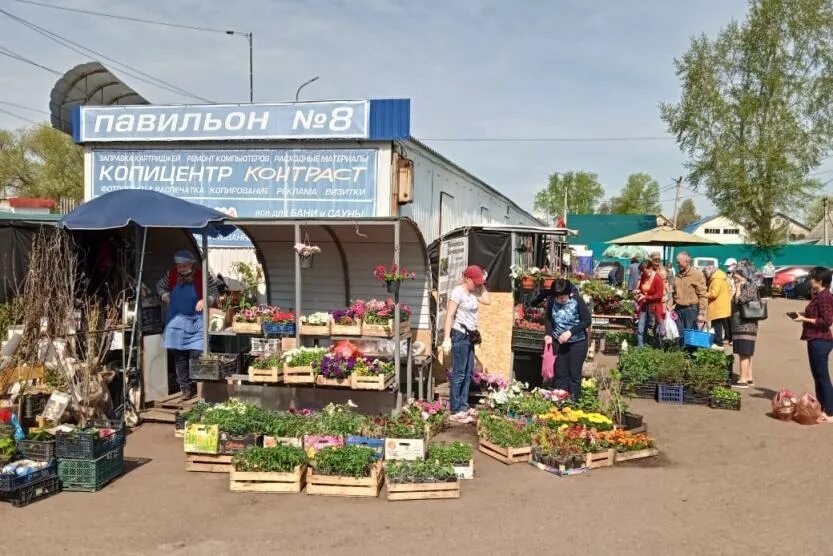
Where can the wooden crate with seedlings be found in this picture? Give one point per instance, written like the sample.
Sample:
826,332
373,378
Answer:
636,454
334,485
345,329
273,375
254,481
605,458
423,491
386,330
208,463
560,471
298,375
311,330
371,382
333,382
246,328
505,455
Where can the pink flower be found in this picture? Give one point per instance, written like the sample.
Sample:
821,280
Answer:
424,415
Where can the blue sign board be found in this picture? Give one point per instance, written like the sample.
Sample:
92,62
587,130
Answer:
354,119
260,183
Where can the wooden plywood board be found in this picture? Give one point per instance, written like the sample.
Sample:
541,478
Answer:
495,324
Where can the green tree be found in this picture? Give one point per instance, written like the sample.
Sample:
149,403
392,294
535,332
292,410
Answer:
639,196
41,162
815,210
583,193
687,214
756,113
604,208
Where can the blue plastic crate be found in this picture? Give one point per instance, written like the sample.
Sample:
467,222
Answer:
378,444
271,328
671,394
698,338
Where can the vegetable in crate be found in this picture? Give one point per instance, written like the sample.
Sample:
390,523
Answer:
420,471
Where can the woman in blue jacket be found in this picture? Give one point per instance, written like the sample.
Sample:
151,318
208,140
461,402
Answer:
568,319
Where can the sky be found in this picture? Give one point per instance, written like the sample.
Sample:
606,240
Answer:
472,69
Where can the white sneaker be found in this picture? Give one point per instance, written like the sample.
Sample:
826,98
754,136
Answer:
717,347
462,417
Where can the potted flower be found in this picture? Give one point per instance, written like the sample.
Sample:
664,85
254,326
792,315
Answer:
279,322
246,322
547,278
297,364
315,324
306,252
393,277
379,315
334,370
266,369
526,276
372,374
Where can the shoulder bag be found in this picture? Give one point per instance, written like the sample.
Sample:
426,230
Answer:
753,310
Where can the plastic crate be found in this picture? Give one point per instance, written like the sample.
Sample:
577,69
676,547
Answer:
698,338
266,346
89,445
10,482
89,475
213,369
33,404
531,340
152,319
670,394
279,329
38,450
27,494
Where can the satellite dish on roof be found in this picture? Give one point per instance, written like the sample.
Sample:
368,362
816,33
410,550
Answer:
88,84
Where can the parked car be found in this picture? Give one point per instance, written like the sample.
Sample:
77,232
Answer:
787,274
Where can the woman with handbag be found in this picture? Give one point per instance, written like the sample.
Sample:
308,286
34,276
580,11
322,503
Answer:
566,324
816,322
745,316
650,303
461,335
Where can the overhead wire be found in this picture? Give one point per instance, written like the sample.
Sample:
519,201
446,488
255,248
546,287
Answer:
18,116
76,47
24,107
19,57
547,139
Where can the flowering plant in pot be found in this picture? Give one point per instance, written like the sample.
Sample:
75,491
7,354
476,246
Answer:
306,252
303,356
393,276
335,366
373,367
316,319
433,414
247,316
381,312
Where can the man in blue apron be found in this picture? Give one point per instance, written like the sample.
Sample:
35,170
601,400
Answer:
181,289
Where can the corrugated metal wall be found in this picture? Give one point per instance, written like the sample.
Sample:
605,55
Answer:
324,286
446,198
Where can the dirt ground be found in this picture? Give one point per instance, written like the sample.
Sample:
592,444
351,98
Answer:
726,483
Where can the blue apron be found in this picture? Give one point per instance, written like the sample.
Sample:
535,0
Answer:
184,329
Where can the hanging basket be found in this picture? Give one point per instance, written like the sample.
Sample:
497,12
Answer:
306,262
392,286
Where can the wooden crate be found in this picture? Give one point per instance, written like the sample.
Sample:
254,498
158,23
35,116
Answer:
423,491
250,481
348,330
309,330
601,459
298,375
246,328
333,382
371,382
265,375
386,330
208,463
505,455
327,485
636,454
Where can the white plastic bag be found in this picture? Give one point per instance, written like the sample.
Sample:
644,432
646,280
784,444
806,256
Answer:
669,328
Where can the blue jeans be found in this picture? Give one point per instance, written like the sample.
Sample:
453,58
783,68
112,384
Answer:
818,351
642,329
462,369
687,319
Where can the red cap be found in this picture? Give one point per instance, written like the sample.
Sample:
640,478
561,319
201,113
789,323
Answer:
476,274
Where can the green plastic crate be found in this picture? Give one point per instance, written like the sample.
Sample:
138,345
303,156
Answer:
90,475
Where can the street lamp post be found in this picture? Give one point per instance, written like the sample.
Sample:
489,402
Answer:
250,37
304,84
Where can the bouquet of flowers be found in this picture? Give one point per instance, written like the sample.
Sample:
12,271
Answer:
306,250
394,274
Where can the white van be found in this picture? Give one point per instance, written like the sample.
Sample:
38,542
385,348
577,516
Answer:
703,262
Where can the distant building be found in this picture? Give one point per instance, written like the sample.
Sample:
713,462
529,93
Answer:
27,205
726,231
663,220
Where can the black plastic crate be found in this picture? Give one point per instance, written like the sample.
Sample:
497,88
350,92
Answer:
217,368
89,475
10,482
27,494
33,404
528,339
89,445
152,319
38,450
694,398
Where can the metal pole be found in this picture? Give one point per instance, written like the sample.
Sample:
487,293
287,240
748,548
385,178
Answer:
304,84
205,310
397,356
297,288
136,317
251,38
825,217
677,200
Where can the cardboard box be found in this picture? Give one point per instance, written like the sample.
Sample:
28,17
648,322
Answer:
202,439
404,449
313,443
272,441
231,443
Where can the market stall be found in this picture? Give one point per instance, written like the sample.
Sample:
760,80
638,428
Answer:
520,262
